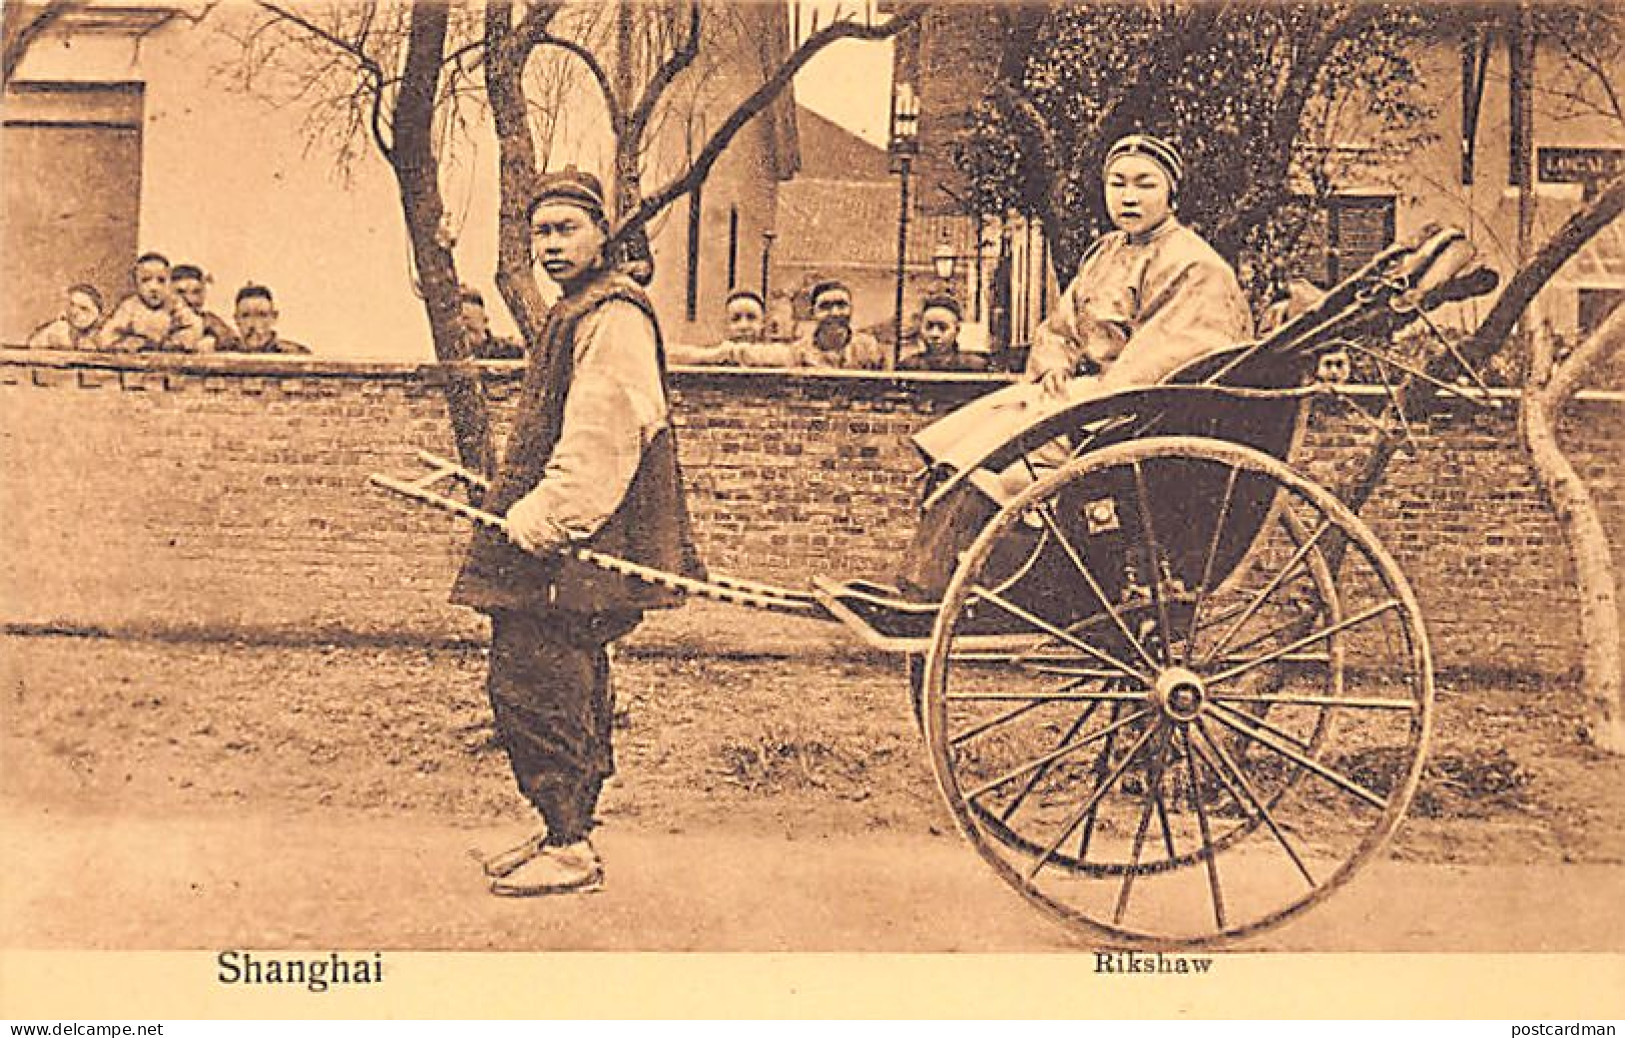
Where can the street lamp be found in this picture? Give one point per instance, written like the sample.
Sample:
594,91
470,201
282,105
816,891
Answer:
904,145
943,260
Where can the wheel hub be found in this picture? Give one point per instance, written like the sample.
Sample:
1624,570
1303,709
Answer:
1180,694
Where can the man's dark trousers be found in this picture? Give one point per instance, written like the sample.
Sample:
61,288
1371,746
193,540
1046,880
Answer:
551,698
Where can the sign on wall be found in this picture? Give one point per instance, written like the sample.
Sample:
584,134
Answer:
1592,167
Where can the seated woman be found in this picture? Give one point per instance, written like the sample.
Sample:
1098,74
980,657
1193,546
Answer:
1148,298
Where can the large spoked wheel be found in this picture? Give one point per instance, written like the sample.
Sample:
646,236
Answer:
1196,706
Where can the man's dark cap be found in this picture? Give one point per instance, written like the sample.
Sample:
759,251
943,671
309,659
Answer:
253,291
571,186
942,301
185,272
826,286
746,293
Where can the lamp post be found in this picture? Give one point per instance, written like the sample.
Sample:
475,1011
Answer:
767,255
904,145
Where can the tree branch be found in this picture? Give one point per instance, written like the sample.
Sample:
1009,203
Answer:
1527,283
369,66
1570,372
1263,194
612,104
16,46
681,58
748,109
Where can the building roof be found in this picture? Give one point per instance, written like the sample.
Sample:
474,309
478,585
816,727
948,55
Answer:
845,223
832,152
837,221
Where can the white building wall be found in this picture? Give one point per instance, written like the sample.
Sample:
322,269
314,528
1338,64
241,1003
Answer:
244,188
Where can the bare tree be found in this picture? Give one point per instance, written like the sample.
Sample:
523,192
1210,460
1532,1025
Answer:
635,63
1592,39
398,74
1592,78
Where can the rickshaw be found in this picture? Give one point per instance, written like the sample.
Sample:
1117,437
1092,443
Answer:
1175,692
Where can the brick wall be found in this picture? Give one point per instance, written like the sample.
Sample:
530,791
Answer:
182,494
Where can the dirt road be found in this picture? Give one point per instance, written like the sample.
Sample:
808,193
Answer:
209,795
252,879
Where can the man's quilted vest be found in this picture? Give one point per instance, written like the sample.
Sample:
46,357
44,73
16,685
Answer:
650,527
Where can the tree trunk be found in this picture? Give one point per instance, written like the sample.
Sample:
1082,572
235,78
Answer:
417,175
506,53
1544,398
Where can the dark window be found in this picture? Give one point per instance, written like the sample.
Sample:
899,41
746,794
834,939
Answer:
71,204
1595,306
1343,235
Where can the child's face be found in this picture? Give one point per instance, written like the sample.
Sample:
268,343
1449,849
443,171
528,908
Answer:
745,321
256,320
191,291
152,282
939,328
83,311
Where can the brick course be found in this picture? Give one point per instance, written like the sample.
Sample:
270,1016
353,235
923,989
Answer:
228,495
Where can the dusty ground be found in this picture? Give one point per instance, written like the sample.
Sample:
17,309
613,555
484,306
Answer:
802,747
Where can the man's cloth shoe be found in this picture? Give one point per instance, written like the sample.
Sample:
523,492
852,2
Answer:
554,870
503,862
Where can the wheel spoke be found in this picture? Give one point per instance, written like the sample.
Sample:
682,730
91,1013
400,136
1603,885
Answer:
1323,659
1162,806
1062,751
1219,526
1154,552
1291,699
1062,670
1038,651
1060,695
1309,639
1102,765
1269,589
989,725
1209,856
1153,802
1094,586
1292,628
1058,633
1279,731
1258,804
1094,798
1234,721
1038,776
